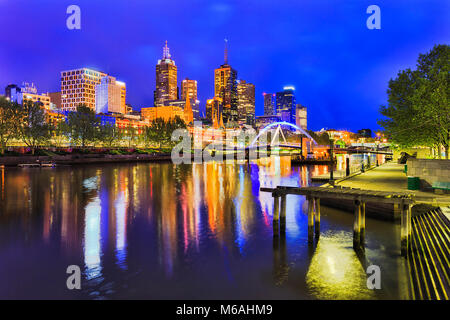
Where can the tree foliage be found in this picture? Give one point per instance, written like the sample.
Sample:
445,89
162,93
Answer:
9,121
418,112
33,128
83,126
160,131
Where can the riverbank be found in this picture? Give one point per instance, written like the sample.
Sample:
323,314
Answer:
388,177
80,158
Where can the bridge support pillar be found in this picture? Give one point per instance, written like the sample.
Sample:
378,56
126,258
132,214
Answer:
310,220
317,217
357,226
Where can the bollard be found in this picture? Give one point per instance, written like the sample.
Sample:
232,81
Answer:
317,217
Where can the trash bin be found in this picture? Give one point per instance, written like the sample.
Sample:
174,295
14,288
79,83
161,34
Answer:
413,183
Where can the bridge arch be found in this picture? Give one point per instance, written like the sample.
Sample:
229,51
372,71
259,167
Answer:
279,124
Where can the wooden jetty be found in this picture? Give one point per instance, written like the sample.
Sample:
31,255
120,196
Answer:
359,197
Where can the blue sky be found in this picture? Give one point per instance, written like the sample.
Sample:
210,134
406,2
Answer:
340,69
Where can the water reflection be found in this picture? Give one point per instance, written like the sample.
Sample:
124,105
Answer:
147,230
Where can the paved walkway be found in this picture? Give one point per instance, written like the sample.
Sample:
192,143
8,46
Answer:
390,177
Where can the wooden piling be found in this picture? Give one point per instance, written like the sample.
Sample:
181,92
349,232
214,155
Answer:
317,217
357,226
310,219
362,225
404,230
276,215
283,214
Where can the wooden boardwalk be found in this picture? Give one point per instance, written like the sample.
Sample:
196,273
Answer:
359,197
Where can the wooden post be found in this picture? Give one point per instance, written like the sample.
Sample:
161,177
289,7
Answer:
276,214
317,217
283,207
310,219
283,214
404,229
362,225
357,225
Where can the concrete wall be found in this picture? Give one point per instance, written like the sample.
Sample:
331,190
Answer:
429,171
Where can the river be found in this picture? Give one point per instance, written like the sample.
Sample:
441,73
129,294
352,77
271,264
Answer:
200,231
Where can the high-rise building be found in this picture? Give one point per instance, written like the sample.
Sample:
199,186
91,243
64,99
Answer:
78,87
301,116
189,88
225,87
109,96
270,106
285,102
166,79
246,102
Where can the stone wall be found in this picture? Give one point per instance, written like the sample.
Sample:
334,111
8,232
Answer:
429,171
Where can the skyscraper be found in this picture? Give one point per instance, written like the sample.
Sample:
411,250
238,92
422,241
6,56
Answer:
166,79
246,102
78,87
301,116
270,106
225,87
109,96
285,101
189,88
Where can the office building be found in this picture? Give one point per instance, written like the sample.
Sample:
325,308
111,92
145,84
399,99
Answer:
286,105
301,116
246,102
270,106
225,88
28,92
110,96
78,87
166,79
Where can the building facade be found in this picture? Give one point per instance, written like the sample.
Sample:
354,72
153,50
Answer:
301,116
225,88
270,106
286,104
78,87
110,96
246,102
166,79
28,92
167,113
214,111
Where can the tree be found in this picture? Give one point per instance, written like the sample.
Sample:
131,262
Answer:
33,128
130,134
83,126
418,112
59,133
110,134
9,115
160,131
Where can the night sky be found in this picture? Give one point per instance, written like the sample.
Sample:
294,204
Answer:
340,69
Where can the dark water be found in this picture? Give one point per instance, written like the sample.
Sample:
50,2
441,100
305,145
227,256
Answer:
200,231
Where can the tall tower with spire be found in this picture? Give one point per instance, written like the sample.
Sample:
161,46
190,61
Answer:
225,87
166,79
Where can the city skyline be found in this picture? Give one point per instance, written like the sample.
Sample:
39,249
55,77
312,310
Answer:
331,83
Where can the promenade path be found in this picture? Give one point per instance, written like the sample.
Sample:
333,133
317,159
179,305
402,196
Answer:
390,177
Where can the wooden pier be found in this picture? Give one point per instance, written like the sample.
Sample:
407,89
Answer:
404,201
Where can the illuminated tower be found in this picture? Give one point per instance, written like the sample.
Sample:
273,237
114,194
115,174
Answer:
225,87
246,102
166,79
